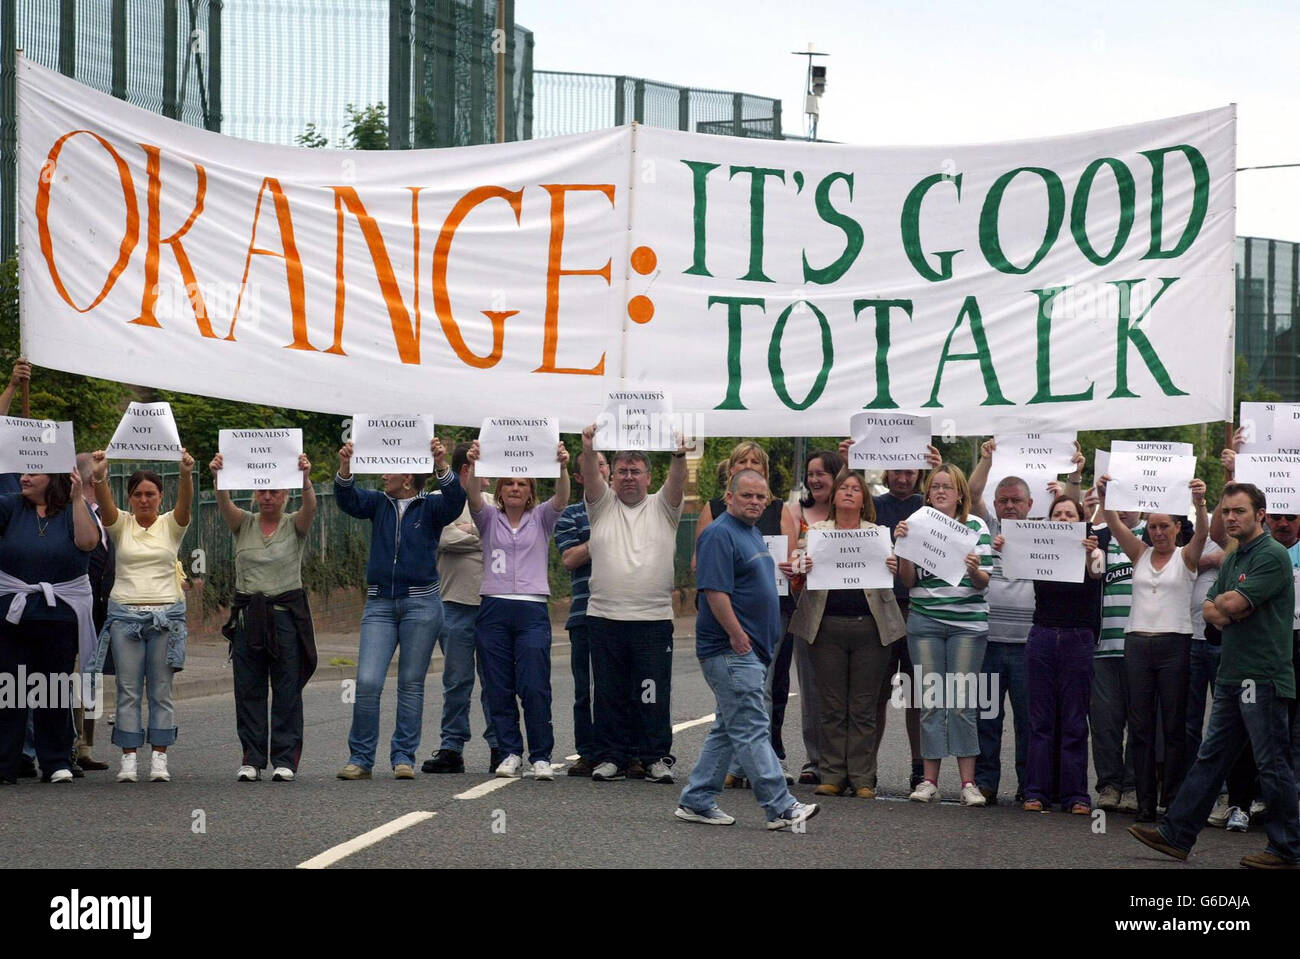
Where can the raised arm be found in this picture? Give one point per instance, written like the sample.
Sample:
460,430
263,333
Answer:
593,484
1132,546
22,373
85,531
232,514
561,498
103,492
1219,532
185,491
979,478
473,488
1192,551
675,484
307,512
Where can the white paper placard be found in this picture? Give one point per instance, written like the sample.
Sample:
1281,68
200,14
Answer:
518,446
1286,426
37,446
1044,550
1150,482
259,459
849,558
1276,474
889,441
147,432
392,443
1151,446
1020,453
938,543
1257,425
636,419
779,547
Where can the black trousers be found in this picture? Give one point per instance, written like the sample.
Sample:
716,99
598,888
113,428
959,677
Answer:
632,668
255,671
46,648
1158,668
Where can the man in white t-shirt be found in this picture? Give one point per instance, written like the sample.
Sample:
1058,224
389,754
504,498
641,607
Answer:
630,610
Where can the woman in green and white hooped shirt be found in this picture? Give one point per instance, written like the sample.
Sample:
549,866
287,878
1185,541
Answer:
947,632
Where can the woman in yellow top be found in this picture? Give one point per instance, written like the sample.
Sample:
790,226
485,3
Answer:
146,609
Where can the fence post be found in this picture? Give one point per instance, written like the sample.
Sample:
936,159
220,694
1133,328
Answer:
214,65
638,101
620,96
477,75
528,85
737,115
399,74
171,22
68,37
684,108
117,32
777,133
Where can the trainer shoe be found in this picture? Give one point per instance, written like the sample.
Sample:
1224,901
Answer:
248,774
710,817
1257,808
353,771
61,776
1128,801
1238,820
926,792
659,771
582,767
444,761
796,814
403,771
510,766
971,795
282,774
542,771
128,773
1151,836
1108,799
1219,814
1267,860
158,768
607,773
635,769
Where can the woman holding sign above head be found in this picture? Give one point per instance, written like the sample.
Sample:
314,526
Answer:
146,610
947,630
1158,643
850,632
403,606
513,630
1058,666
270,630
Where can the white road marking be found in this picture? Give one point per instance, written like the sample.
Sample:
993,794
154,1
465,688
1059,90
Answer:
574,758
695,722
345,849
482,789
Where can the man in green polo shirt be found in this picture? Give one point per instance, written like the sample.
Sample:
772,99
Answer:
1252,602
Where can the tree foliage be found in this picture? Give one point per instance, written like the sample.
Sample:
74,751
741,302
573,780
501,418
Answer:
363,129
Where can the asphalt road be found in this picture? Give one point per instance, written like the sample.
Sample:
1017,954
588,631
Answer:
97,823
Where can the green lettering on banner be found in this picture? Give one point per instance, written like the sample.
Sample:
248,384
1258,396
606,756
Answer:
990,242
1200,200
883,398
1079,209
699,177
757,186
910,225
970,307
774,358
1127,330
1044,365
852,232
732,400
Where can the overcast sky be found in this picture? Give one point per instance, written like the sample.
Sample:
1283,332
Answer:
944,71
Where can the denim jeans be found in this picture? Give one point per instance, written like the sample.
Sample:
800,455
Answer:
584,738
808,717
1200,687
1004,664
139,660
1058,667
773,700
458,660
254,670
633,665
514,646
1107,715
411,624
1157,668
1264,724
946,659
741,729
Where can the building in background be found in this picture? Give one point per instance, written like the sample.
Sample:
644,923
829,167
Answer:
1268,308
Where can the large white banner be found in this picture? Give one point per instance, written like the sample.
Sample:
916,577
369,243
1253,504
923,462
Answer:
1081,281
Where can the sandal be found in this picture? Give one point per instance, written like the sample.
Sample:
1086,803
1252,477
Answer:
1033,805
1081,809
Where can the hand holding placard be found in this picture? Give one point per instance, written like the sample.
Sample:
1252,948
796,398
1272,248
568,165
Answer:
849,558
1044,550
259,459
147,431
889,441
36,446
518,446
391,443
937,543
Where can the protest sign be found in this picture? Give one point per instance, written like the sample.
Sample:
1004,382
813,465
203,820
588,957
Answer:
392,443
889,441
259,459
37,446
1150,482
639,419
849,558
147,431
937,542
1044,550
1276,474
779,547
518,446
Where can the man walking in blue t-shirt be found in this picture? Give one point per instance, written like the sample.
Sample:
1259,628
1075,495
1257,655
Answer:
736,630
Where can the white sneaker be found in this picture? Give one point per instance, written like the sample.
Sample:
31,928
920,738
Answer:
971,795
158,768
1219,814
658,772
1238,820
927,792
248,774
710,817
796,814
509,768
1128,801
1257,808
607,773
542,770
282,774
128,773
61,776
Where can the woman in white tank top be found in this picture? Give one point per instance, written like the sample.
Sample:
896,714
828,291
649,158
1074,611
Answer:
1158,644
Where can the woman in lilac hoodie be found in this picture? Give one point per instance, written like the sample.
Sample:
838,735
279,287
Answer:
513,630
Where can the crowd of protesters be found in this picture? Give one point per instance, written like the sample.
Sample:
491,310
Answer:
1172,610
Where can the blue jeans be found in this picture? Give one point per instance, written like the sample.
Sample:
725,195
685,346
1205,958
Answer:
584,737
457,641
514,646
1004,664
1200,686
1265,724
140,659
411,623
742,729
945,658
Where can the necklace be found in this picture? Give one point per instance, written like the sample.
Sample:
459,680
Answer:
41,527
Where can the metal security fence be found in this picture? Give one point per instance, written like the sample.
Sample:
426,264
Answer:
1268,311
566,103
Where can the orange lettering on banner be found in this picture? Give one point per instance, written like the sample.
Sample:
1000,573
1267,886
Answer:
553,273
129,238
441,299
292,264
405,335
153,241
